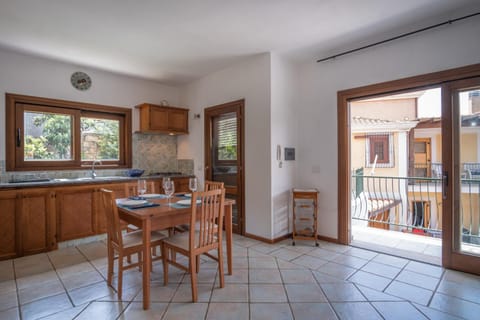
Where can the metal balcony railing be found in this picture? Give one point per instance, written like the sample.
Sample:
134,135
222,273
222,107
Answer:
412,204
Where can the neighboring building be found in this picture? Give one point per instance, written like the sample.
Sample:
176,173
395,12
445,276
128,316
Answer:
396,164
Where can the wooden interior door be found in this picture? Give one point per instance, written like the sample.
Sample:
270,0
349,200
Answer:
224,154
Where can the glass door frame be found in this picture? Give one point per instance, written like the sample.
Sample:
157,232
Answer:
436,79
452,256
209,113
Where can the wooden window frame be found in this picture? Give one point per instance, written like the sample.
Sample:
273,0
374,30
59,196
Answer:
16,104
385,139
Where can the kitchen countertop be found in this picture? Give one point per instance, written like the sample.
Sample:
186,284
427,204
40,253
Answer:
82,181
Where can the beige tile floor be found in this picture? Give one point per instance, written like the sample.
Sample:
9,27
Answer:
277,281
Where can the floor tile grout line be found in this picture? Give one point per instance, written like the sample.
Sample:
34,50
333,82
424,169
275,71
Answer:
418,309
20,306
436,287
325,295
378,311
286,294
248,284
277,259
17,289
59,279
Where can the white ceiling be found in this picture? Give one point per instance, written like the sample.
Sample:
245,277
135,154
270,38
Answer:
177,41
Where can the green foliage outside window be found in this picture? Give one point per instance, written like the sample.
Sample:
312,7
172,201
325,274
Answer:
227,153
106,133
48,137
52,142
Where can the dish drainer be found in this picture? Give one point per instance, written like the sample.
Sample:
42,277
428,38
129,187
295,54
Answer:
305,214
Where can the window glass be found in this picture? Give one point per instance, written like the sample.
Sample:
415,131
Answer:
47,136
100,139
379,151
379,148
226,130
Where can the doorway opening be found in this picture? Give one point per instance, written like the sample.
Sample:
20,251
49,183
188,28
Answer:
224,154
396,167
460,186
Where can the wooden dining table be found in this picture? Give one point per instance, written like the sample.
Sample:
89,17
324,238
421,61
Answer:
162,217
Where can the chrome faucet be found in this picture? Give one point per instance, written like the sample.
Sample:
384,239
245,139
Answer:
94,174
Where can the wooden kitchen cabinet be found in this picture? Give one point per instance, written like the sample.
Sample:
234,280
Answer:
8,224
159,119
27,222
181,184
75,208
36,211
34,220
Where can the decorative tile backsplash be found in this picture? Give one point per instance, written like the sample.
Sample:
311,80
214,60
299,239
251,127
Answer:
151,152
154,152
185,166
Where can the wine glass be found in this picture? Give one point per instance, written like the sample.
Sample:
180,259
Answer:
164,180
192,184
169,188
141,187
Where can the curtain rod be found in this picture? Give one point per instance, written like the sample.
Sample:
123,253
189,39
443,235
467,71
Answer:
399,36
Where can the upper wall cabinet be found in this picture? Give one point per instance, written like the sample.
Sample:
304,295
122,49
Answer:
159,119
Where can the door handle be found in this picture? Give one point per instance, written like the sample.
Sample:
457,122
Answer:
444,184
19,138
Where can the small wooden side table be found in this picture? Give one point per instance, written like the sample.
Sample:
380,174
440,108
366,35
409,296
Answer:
305,213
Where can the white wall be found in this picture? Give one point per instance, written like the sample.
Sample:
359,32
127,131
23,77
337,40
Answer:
443,48
283,128
249,80
29,75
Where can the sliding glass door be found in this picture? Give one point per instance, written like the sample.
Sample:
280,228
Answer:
461,176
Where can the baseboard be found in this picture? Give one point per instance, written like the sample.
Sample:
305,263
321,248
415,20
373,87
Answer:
262,239
328,239
286,236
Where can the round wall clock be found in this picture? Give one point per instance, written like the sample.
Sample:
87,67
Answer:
81,80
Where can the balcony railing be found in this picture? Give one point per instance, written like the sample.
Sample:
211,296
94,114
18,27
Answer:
412,204
433,170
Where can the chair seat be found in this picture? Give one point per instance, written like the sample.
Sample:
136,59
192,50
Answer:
186,227
135,238
180,240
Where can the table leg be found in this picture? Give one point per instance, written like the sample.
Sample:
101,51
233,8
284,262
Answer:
146,227
228,234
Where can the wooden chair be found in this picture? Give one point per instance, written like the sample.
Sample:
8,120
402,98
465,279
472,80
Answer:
122,244
131,190
213,185
192,244
209,185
